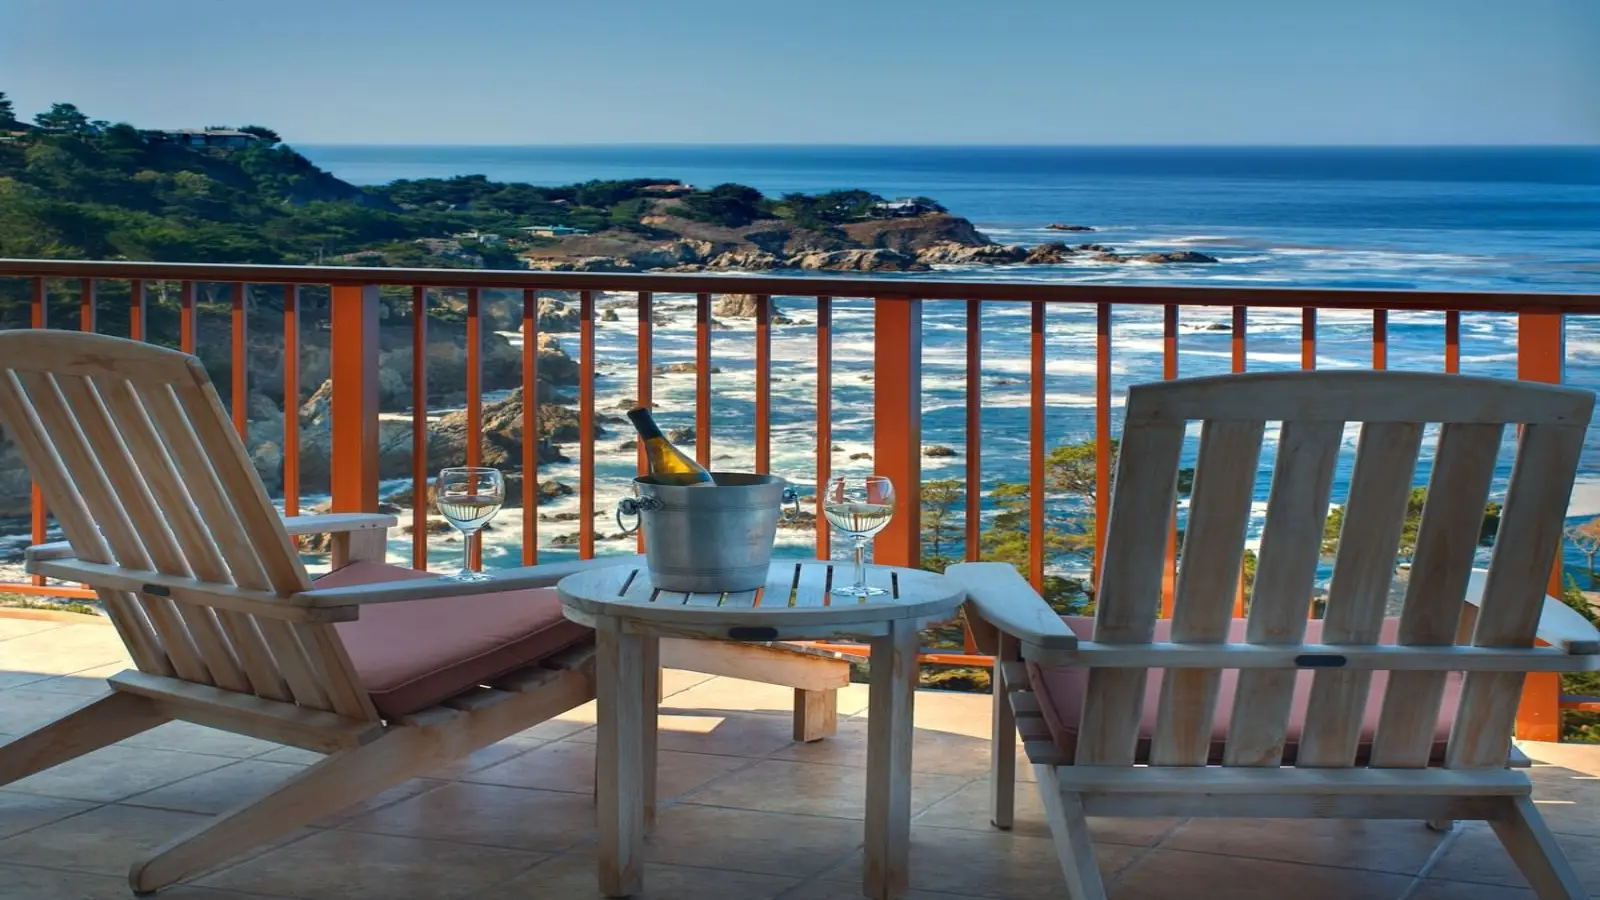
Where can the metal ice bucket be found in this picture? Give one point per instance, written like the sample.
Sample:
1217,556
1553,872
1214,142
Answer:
708,538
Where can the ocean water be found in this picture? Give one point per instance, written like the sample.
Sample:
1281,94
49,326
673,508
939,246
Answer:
1476,219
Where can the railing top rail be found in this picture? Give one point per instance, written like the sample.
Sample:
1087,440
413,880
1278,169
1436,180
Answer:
1134,295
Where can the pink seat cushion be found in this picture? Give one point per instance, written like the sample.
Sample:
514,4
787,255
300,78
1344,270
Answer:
417,653
1061,690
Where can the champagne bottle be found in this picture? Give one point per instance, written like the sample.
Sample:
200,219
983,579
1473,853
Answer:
668,464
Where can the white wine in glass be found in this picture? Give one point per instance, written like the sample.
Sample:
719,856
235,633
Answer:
468,498
860,506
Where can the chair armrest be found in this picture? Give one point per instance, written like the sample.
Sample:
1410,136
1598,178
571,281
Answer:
1003,599
336,523
1559,624
41,552
427,588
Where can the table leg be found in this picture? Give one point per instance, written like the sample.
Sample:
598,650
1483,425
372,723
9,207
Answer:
620,758
889,734
650,693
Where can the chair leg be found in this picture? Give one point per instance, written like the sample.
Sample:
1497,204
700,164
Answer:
1002,754
1069,828
1533,848
95,724
337,782
816,714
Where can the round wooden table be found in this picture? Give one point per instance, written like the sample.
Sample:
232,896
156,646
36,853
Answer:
629,614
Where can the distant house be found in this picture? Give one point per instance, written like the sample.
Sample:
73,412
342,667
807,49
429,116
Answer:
215,138
667,190
902,207
483,237
553,230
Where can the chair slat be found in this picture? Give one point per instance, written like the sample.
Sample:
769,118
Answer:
128,481
1213,548
194,540
108,514
228,534
1369,541
1458,491
261,521
1129,593
49,472
1291,543
1514,590
327,654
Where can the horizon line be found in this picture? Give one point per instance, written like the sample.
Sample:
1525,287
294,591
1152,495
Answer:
960,146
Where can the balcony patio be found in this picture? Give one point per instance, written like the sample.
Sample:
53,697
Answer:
746,813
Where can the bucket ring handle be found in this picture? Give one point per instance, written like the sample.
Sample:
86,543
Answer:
632,507
793,499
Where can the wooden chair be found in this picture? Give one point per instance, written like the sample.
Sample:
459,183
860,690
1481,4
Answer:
388,671
1273,716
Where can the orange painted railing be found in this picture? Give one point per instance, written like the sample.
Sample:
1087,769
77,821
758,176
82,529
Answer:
897,380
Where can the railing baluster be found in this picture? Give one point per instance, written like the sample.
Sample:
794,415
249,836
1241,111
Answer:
974,475
355,311
824,419
136,309
419,428
291,400
1102,431
586,424
530,427
475,405
897,424
1169,371
188,322
702,379
1308,338
1036,447
1541,356
86,305
39,318
644,381
1240,341
1240,338
763,384
1380,339
241,375
1452,341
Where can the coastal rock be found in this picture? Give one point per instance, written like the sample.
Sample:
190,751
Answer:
950,253
875,260
914,233
938,451
1058,226
579,264
1178,256
1097,248
681,436
673,253
1108,257
556,316
1051,253
743,306
682,367
610,315
747,260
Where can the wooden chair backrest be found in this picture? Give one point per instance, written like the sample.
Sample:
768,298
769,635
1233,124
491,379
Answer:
137,460
1392,409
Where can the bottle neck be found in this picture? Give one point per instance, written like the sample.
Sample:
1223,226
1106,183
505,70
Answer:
645,424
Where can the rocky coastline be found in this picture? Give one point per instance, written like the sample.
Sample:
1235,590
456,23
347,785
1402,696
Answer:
912,244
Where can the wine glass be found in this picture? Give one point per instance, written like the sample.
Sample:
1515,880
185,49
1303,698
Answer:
468,497
860,506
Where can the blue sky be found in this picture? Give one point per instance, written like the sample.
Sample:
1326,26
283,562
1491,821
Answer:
823,71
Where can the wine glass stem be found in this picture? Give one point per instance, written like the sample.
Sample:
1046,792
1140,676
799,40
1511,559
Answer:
861,561
468,537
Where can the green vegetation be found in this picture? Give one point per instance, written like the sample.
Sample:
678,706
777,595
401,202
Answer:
10,600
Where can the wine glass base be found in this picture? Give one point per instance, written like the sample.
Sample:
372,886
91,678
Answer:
858,590
468,577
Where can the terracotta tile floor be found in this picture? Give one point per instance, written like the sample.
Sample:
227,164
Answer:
747,815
